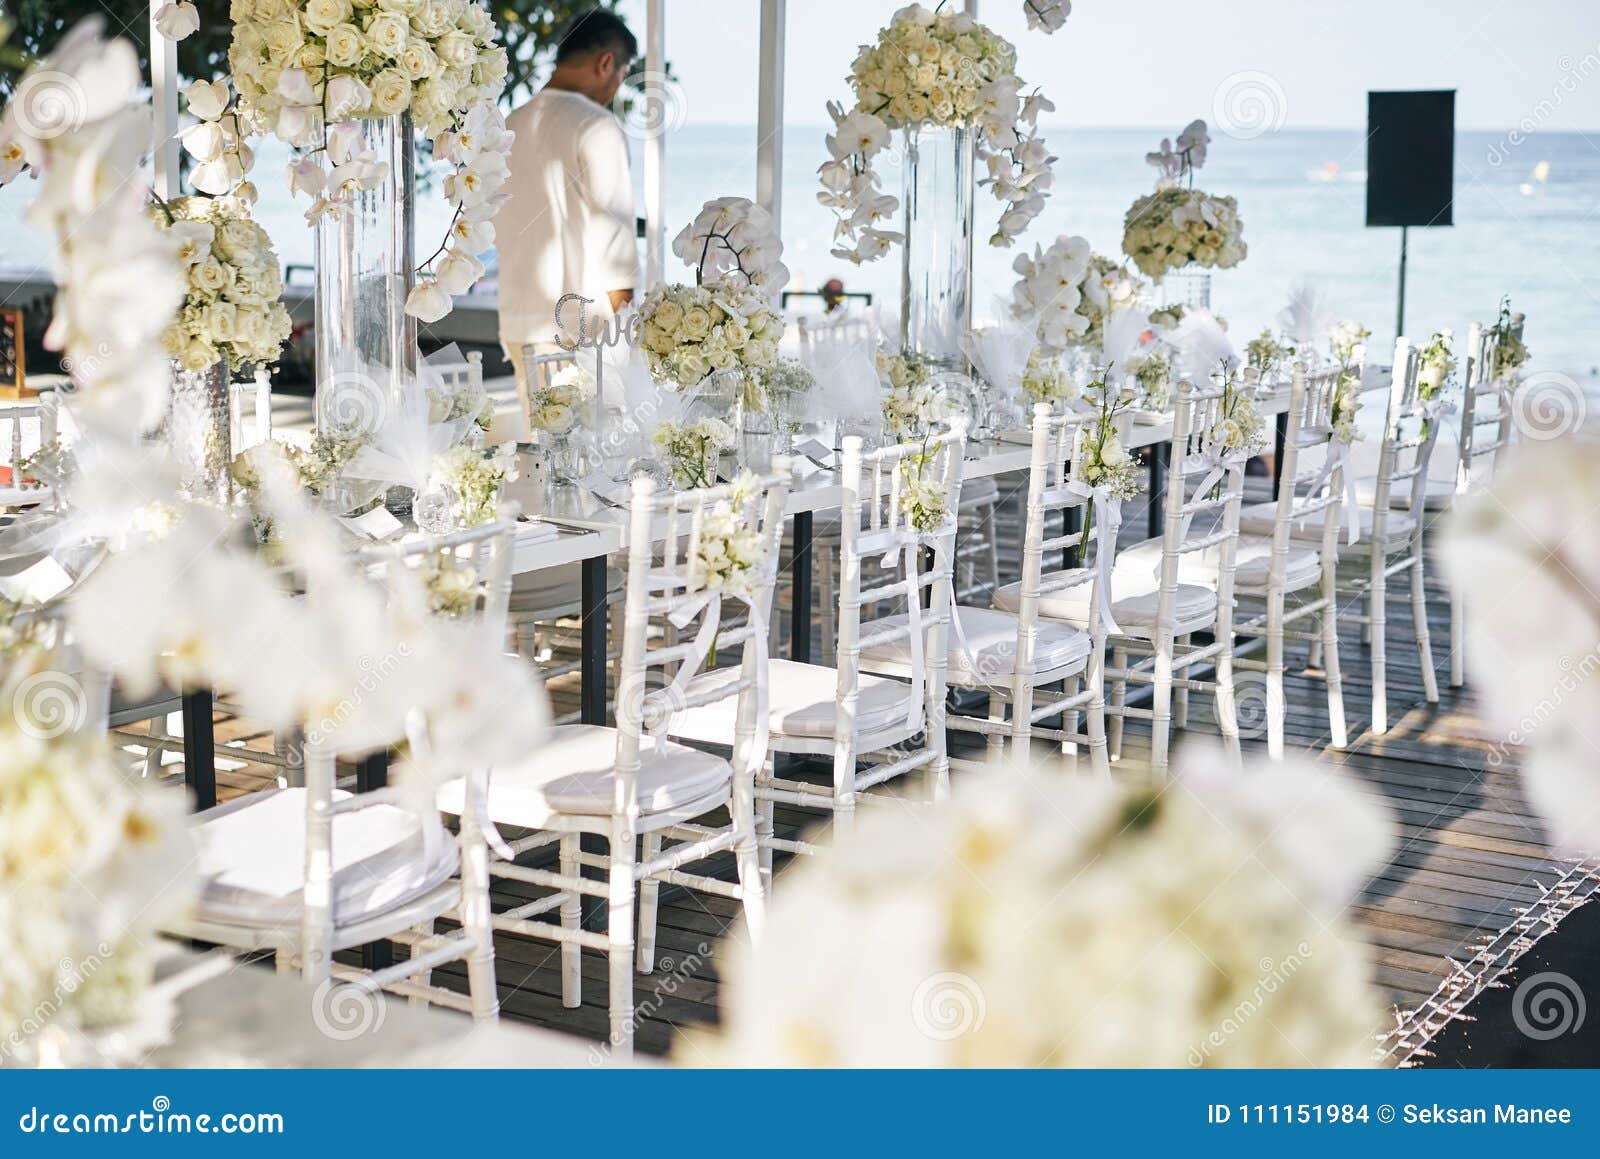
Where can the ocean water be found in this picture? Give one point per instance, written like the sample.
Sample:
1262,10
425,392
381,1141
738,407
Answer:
1301,196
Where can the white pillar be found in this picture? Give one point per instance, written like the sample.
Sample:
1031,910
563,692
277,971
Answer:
769,112
164,96
655,145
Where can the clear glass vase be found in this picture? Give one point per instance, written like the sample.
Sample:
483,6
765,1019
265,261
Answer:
1188,286
198,431
366,344
936,268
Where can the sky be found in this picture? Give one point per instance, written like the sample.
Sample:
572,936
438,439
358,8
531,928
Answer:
1142,63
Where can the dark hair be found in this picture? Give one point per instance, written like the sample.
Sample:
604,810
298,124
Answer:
596,30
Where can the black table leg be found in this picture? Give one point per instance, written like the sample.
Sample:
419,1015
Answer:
372,772
1159,454
592,661
800,578
1280,435
1071,524
199,748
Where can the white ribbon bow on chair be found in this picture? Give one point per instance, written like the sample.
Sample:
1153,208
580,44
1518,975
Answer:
707,605
1104,538
1339,456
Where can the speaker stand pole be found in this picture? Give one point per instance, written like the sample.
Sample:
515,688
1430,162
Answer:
1400,318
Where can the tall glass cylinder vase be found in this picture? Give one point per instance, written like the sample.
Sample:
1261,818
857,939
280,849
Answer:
198,431
936,271
366,344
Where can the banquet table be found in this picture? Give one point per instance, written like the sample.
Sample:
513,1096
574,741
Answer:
590,528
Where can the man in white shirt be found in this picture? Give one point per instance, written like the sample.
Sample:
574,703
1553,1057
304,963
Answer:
568,228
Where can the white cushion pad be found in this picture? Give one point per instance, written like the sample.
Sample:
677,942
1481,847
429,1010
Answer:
803,699
992,639
1437,495
1252,563
1135,602
253,852
573,772
1261,519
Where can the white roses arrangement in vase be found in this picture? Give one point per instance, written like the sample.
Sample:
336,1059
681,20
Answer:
232,312
1178,225
934,68
725,321
308,70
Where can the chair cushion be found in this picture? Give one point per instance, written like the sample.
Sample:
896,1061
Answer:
1261,519
1135,602
992,640
253,852
1437,496
803,701
573,772
1252,562
550,589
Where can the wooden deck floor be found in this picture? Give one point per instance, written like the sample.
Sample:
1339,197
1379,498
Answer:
1470,856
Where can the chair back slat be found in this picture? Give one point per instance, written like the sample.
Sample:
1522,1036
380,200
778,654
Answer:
672,581
1409,435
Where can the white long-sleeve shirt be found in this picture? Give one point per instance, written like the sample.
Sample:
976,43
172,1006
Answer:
569,226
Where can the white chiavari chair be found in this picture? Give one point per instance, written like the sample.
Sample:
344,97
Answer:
630,782
1012,655
818,332
897,727
1390,536
306,872
29,426
1155,614
1486,424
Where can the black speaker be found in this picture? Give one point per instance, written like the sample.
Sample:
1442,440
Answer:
1411,154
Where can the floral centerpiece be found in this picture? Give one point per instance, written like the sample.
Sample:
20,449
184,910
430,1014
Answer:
1068,292
554,406
1040,921
910,404
1046,380
725,321
941,68
233,312
693,449
308,70
1265,354
1345,339
465,487
1178,225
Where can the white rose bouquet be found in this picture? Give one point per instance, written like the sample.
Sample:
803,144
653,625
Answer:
553,408
232,312
309,70
1436,365
689,331
934,68
729,557
725,321
1178,225
1345,338
348,59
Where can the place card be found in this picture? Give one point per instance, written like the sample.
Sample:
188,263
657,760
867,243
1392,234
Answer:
607,488
812,448
379,523
34,585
